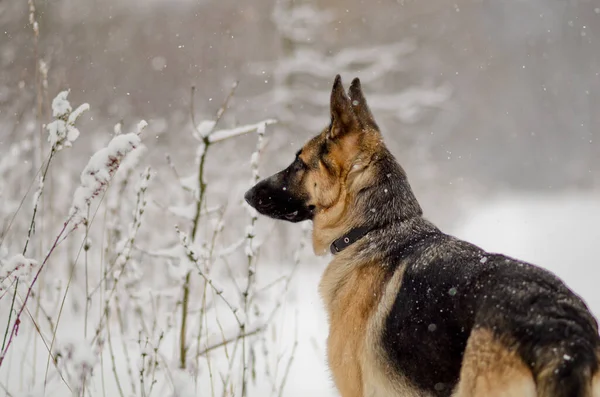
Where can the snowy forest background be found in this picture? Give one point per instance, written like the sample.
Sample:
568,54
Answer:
169,285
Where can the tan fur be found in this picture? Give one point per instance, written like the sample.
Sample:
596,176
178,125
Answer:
490,369
351,292
356,296
331,219
358,300
332,195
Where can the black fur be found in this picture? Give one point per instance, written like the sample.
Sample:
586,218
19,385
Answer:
450,287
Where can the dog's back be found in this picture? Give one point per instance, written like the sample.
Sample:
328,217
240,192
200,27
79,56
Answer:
549,326
463,315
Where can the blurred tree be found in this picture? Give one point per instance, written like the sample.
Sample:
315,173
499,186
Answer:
300,79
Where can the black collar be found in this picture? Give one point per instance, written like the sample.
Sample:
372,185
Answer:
349,238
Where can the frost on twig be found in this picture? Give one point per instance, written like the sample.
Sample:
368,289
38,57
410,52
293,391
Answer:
62,131
124,247
98,172
254,160
233,132
206,127
196,259
15,267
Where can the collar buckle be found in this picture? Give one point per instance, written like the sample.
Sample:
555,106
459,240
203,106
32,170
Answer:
348,239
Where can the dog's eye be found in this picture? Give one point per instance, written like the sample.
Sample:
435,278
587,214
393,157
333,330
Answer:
299,164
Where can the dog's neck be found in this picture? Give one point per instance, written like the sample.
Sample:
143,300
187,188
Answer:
384,200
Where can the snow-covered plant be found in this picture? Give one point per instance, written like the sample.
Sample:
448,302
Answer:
62,131
98,172
254,161
94,180
100,295
111,298
77,359
15,267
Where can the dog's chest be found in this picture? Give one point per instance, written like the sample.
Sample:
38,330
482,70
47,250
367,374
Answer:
351,300
344,352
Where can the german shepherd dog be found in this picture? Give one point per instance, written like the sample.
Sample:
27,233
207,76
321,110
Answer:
413,311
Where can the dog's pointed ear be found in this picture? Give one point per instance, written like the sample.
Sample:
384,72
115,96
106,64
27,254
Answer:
359,104
343,118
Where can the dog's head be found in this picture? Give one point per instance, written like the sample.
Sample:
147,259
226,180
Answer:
329,169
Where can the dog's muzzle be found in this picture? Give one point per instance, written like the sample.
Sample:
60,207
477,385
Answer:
277,202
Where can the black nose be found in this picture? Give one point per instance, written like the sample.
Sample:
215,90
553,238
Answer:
249,197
